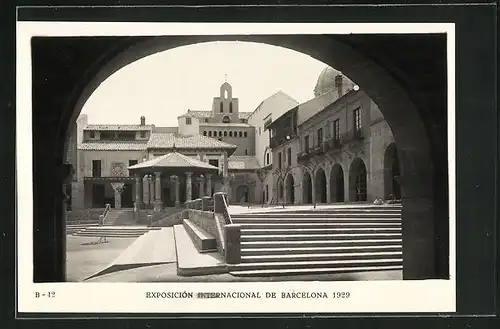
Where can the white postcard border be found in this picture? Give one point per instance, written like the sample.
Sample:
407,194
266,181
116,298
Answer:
365,296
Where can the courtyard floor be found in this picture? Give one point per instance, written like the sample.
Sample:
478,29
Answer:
85,259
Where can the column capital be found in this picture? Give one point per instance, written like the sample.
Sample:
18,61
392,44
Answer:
208,176
189,173
158,174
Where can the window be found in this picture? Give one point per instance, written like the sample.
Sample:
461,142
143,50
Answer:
230,134
279,160
289,156
214,162
188,121
221,107
96,168
267,158
215,133
320,136
220,133
246,151
209,134
244,134
357,119
336,129
230,107
204,133
241,134
143,134
225,134
306,143
131,163
92,134
206,120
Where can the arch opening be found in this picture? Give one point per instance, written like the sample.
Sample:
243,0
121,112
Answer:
392,173
320,188
337,184
290,193
307,188
357,181
226,119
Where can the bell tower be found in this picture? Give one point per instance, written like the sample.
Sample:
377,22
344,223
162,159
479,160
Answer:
225,107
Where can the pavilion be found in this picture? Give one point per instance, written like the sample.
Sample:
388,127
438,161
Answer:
180,170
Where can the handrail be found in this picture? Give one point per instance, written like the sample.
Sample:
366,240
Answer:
105,214
225,212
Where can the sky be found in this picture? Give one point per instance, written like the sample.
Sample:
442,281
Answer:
165,85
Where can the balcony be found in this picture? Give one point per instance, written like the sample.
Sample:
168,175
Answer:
353,136
332,145
281,139
303,156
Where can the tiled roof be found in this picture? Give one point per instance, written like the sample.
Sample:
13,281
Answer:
174,160
113,146
208,114
243,162
114,127
169,140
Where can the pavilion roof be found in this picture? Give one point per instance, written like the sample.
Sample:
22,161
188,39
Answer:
174,160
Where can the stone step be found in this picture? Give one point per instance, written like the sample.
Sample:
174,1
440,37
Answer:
319,250
318,243
321,230
305,237
323,257
307,271
338,221
319,215
316,264
109,235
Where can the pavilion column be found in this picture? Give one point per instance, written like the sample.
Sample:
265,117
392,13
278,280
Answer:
209,185
201,180
138,188
145,190
158,203
177,191
188,186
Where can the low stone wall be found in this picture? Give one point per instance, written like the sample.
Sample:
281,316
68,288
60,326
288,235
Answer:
171,219
84,215
204,220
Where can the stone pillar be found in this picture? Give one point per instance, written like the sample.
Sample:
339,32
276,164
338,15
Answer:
188,186
205,203
328,188
201,181
118,189
175,180
313,187
219,202
233,244
209,185
138,194
145,190
225,174
158,202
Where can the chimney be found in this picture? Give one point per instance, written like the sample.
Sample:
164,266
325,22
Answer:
338,85
143,121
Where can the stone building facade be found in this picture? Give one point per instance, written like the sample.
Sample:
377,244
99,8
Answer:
336,147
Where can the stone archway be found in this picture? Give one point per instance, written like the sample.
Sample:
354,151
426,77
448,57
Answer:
290,193
421,142
392,173
357,181
242,194
307,188
320,186
337,184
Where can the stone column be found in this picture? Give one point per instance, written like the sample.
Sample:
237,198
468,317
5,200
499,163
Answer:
188,186
138,185
145,190
158,202
118,189
209,185
328,188
175,180
201,181
313,183
225,174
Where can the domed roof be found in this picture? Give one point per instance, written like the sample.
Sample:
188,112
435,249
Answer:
326,81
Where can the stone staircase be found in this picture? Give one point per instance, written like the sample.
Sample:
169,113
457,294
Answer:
348,239
121,217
